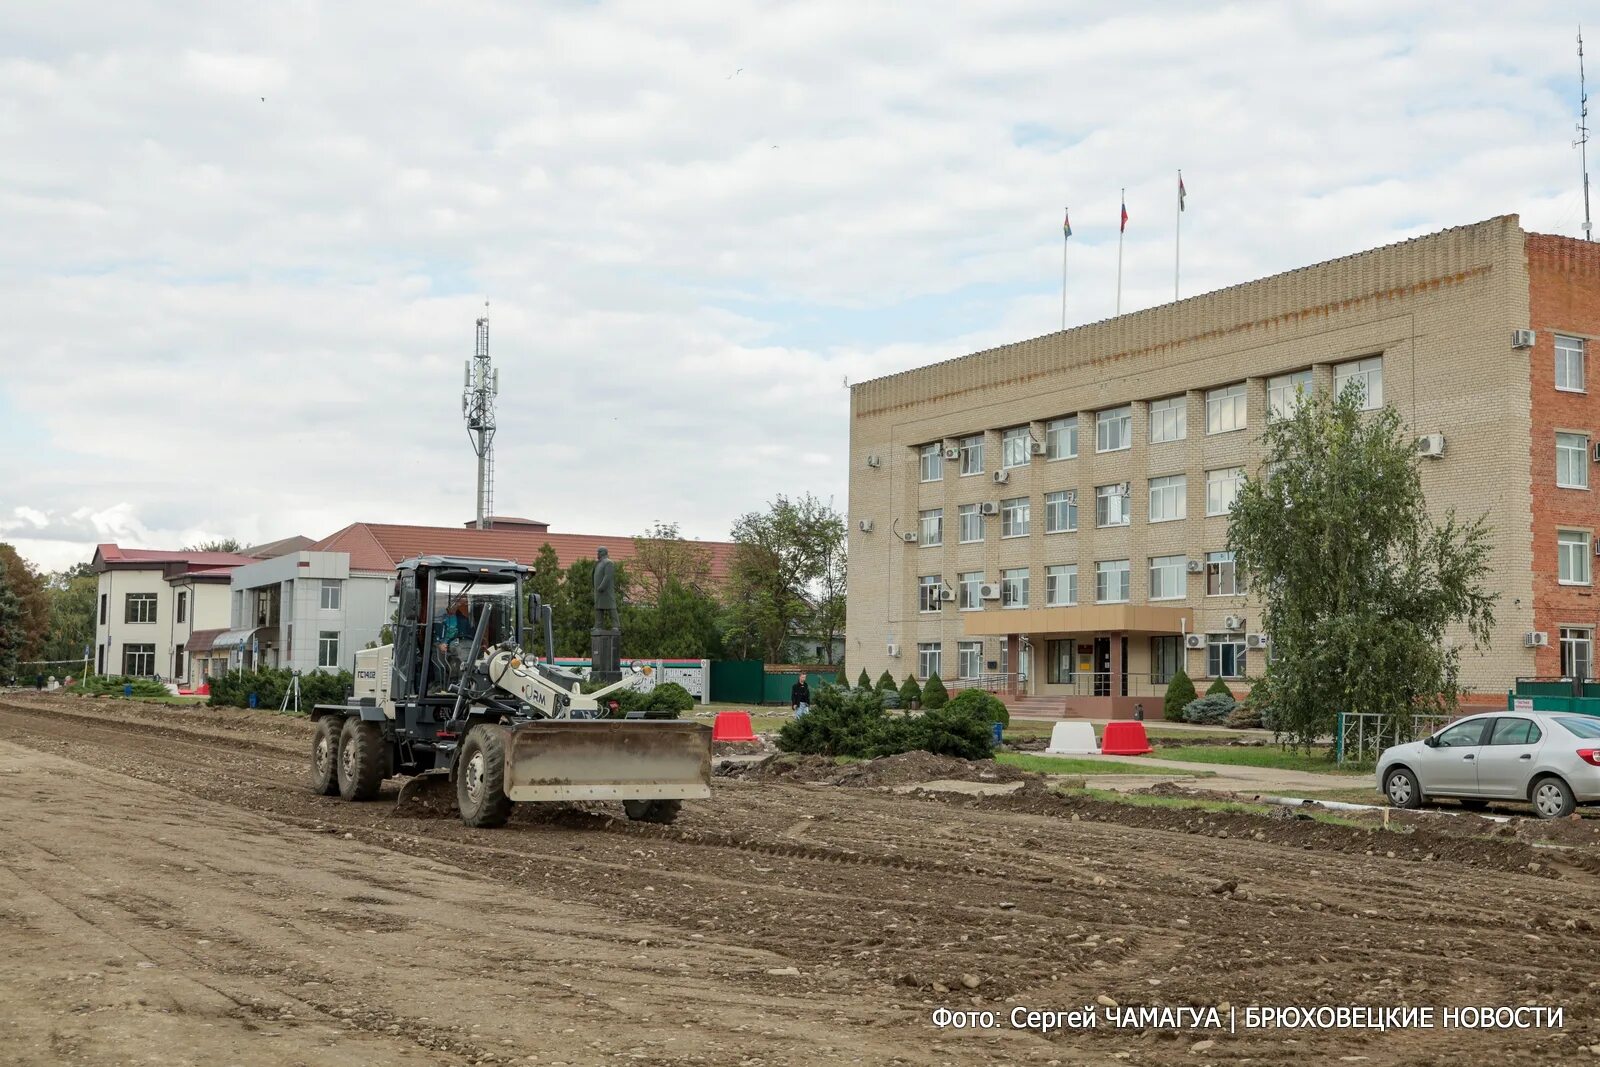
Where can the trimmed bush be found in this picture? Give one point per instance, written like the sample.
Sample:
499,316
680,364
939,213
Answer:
863,682
1244,717
1212,709
986,707
934,694
1180,692
886,683
142,687
910,692
852,723
270,684
1218,688
670,696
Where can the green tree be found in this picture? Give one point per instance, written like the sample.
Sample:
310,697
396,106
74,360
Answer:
1218,688
910,692
221,544
12,633
71,595
786,578
682,622
886,683
33,606
574,608
1180,691
1357,581
863,682
934,694
661,555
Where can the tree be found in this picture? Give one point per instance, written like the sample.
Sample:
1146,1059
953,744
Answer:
1218,688
1357,582
33,606
71,595
546,582
1180,692
681,623
886,683
221,544
661,555
574,609
934,694
787,577
11,630
910,692
863,682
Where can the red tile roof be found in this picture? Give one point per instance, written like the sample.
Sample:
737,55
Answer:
109,555
377,547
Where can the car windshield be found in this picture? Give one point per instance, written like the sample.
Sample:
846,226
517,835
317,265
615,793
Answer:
499,599
1578,726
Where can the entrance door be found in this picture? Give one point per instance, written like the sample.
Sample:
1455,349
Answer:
1102,666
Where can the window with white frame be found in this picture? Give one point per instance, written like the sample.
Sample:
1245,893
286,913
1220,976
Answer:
1014,587
1222,489
1225,655
1061,511
139,607
1569,364
1169,498
1113,429
928,586
1014,447
971,519
1111,505
1577,652
1222,577
1225,409
930,527
139,660
183,607
1285,393
1167,581
972,454
930,460
1061,438
1169,419
1572,461
1572,557
1368,373
1061,585
1111,581
969,586
1014,517
929,654
332,594
969,659
328,648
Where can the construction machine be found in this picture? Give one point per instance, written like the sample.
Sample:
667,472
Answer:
459,697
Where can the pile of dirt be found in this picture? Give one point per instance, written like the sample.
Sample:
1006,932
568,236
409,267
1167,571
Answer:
907,768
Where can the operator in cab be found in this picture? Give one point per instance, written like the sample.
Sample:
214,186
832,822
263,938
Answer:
452,633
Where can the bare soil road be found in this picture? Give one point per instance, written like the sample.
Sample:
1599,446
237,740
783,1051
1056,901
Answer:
171,894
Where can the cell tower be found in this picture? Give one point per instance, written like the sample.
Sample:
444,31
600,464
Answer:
1582,143
477,406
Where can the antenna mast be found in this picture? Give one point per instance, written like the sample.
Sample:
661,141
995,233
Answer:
477,406
1582,142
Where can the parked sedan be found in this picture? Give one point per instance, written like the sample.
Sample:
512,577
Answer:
1548,759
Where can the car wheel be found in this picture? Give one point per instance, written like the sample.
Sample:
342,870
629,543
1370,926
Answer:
1552,798
1402,789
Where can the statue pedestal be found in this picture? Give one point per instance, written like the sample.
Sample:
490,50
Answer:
605,656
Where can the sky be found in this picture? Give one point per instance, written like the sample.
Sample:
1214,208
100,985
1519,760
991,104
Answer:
242,247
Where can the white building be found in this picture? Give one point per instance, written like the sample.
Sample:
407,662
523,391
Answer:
305,611
151,601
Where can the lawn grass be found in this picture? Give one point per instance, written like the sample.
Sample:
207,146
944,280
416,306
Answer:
1236,807
1316,761
1081,765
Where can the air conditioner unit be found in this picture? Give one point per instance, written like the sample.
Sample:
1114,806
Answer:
1035,448
947,595
1234,622
1255,641
909,538
1522,338
874,461
1431,444
1194,640
865,525
1597,451
1196,566
989,507
1535,639
894,651
952,453
987,591
1002,477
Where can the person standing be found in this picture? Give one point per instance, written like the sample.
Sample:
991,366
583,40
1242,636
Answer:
800,697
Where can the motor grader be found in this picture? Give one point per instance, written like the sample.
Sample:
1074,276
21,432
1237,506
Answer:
458,697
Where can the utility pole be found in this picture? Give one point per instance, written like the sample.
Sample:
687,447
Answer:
477,406
1582,143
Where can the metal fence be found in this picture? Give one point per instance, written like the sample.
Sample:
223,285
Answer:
1361,736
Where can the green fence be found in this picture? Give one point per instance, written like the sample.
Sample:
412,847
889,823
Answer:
778,685
737,681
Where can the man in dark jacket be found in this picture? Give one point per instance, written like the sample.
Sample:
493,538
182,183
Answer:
800,697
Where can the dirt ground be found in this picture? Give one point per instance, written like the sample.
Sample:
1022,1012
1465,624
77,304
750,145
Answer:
170,893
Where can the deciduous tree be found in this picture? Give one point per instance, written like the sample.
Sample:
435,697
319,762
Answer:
787,577
33,606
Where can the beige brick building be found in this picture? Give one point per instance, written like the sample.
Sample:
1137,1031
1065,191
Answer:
1053,512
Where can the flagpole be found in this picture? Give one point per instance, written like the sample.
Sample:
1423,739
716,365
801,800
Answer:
1177,243
1064,242
1121,231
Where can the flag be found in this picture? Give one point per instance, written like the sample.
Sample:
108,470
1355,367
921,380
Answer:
1124,217
1066,224
1182,192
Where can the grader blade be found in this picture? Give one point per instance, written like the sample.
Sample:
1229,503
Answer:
608,759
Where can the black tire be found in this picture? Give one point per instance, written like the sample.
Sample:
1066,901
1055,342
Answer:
662,811
481,779
1402,789
1552,798
325,756
361,760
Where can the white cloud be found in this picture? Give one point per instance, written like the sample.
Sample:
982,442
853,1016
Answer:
234,316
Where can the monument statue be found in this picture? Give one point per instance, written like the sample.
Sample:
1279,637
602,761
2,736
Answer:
605,591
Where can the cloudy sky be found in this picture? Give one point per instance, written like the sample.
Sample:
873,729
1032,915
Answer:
242,246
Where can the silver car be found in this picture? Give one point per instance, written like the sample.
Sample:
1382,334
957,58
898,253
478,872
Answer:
1547,758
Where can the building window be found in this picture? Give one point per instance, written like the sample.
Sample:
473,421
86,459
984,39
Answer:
968,587
1569,364
930,530
1061,438
1572,557
928,586
1166,658
1367,372
1222,489
332,589
1225,409
1113,429
1111,581
971,520
103,599
1577,653
1014,447
183,607
328,648
1061,585
969,659
1225,655
1167,577
139,660
1014,587
1222,576
1061,661
1014,517
1285,393
1572,461
1169,419
1111,505
972,454
930,461
140,607
929,654
1169,498
1061,511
